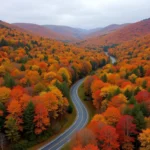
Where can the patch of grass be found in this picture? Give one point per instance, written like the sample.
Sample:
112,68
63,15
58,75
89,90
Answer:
66,146
87,103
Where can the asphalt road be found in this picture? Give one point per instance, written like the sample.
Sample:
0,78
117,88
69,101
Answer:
113,59
81,120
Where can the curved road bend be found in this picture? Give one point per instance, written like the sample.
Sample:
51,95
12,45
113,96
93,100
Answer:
113,59
80,122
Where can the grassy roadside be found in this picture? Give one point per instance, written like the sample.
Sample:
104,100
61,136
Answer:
69,121
88,104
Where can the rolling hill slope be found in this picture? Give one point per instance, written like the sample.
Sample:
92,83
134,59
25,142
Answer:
126,33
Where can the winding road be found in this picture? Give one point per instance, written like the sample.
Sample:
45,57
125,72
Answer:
81,118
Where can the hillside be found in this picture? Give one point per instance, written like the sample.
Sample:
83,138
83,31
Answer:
120,95
105,30
12,26
66,33
81,34
43,31
138,48
126,33
75,33
35,76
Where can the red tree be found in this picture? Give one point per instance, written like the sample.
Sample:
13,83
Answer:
143,96
125,128
108,138
41,118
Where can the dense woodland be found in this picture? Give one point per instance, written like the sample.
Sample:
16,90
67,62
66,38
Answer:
35,76
121,95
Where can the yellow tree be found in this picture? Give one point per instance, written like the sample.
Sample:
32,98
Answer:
51,102
112,115
144,138
65,75
4,94
15,111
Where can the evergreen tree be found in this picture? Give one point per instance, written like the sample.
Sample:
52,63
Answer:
127,111
137,90
70,109
142,71
128,94
22,68
45,58
103,62
139,121
109,96
64,88
3,42
144,84
9,81
132,100
117,91
144,109
28,118
40,71
64,77
136,72
104,78
135,110
74,77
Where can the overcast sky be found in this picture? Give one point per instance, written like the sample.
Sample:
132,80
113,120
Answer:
76,13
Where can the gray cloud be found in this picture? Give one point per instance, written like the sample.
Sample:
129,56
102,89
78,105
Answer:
76,13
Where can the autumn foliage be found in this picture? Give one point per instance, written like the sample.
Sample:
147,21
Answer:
120,93
35,76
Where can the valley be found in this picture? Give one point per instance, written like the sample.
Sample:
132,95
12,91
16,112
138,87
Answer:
75,85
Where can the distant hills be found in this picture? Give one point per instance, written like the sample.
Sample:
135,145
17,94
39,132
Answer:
112,34
41,31
66,33
126,33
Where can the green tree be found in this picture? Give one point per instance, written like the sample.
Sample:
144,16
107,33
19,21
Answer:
12,130
3,42
70,109
22,68
103,62
142,71
139,121
135,110
128,93
137,90
63,87
127,111
144,109
9,81
104,78
45,58
117,91
74,77
144,84
132,100
40,71
28,118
